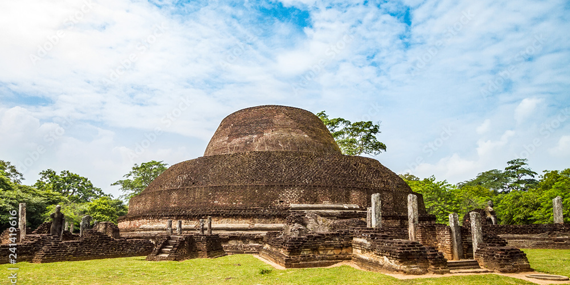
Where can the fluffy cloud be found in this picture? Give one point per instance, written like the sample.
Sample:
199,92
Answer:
120,70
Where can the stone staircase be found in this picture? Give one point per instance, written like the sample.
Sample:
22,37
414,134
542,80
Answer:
465,266
166,249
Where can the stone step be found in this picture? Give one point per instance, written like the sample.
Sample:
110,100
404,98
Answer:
171,242
163,255
470,271
463,264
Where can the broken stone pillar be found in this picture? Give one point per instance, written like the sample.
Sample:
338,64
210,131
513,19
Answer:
557,207
66,228
179,228
202,226
169,227
22,221
456,243
209,225
413,218
476,231
369,217
376,211
71,228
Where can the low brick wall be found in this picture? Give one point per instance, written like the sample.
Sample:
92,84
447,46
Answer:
546,236
378,251
94,245
314,250
25,250
503,259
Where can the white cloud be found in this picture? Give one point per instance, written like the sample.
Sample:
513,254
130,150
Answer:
225,58
526,108
484,127
562,148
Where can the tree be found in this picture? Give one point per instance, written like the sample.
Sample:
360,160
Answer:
439,197
140,177
106,209
521,177
77,188
516,176
11,195
354,138
8,170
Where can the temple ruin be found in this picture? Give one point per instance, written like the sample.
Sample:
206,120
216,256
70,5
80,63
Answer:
273,182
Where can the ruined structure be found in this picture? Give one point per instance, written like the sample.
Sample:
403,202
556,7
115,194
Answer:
262,165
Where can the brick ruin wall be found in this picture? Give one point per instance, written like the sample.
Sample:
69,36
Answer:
313,250
94,245
545,236
271,180
379,251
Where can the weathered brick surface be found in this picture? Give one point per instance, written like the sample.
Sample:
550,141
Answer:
26,250
94,245
108,228
313,250
184,247
547,236
502,259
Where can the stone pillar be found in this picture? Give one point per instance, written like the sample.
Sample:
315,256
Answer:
202,226
376,211
71,228
557,207
179,228
456,242
369,217
169,227
413,218
209,225
22,221
476,231
66,228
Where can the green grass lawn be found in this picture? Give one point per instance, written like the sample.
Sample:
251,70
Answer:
549,260
245,269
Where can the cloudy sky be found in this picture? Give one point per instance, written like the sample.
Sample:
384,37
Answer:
459,87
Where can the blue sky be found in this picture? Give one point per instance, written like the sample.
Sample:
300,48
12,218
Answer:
459,87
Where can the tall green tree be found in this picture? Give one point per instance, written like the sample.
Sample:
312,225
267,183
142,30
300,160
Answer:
140,177
354,138
106,209
77,188
520,175
516,176
8,170
439,197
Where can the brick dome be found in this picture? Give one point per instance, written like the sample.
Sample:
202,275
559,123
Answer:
272,128
260,162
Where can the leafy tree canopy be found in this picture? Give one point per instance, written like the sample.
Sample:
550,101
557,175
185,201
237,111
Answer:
106,209
8,170
354,138
77,188
140,177
516,176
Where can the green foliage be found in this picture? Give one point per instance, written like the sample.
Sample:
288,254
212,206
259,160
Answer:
11,195
73,212
140,177
106,209
516,176
8,170
77,188
439,197
354,138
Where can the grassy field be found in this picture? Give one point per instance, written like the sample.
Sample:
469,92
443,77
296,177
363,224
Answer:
245,269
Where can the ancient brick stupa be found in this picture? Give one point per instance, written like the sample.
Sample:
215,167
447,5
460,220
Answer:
261,164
